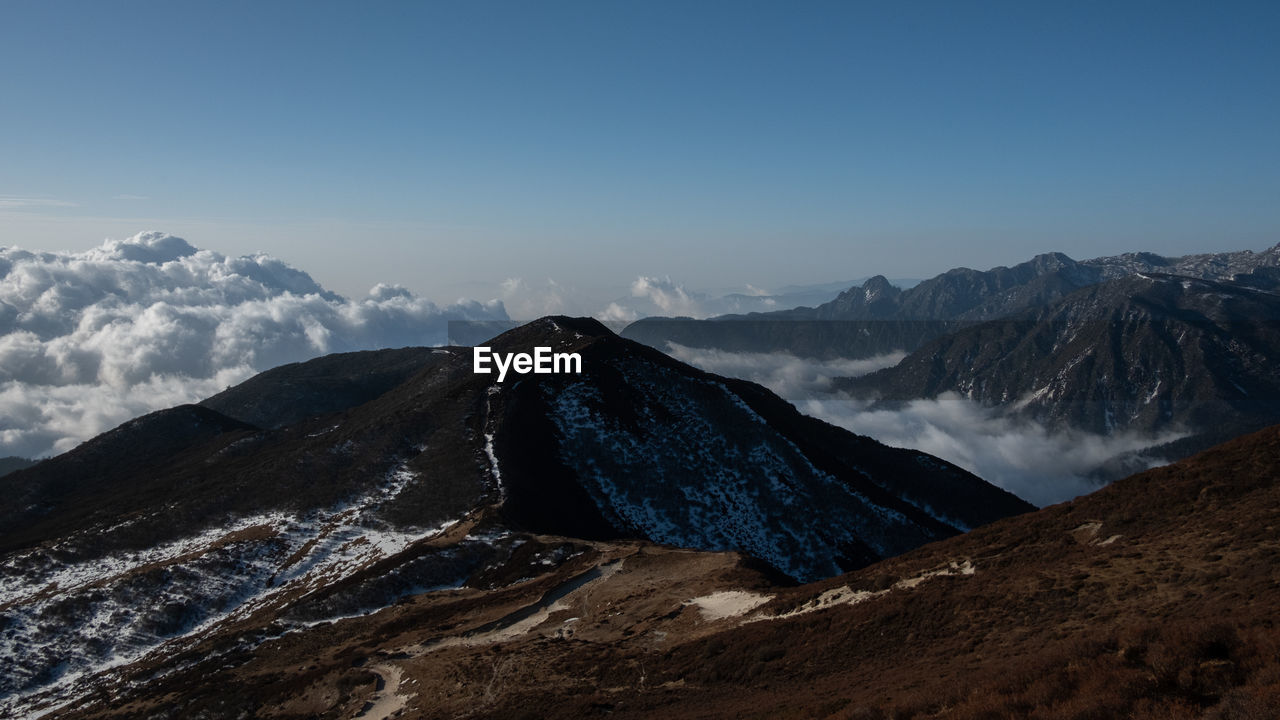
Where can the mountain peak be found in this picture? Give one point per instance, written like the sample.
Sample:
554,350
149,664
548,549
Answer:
877,286
587,326
556,331
1051,261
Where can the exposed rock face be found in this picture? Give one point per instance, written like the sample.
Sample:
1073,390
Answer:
1143,353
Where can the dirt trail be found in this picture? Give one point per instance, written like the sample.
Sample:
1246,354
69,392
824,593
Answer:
386,700
521,621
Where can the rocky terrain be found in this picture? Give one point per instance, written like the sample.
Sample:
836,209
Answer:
1144,353
329,490
1152,598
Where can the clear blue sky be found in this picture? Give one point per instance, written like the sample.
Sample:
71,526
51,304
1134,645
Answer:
446,146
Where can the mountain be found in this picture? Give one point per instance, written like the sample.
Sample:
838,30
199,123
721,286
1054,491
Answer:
335,487
1144,353
292,393
1152,598
661,296
971,295
869,319
11,463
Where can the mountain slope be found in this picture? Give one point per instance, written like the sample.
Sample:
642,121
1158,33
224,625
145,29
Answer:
690,459
1144,353
294,392
11,463
168,530
1152,598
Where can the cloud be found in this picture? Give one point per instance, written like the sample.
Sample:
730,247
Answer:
664,296
14,201
785,374
613,312
127,196
1040,465
89,340
670,297
529,301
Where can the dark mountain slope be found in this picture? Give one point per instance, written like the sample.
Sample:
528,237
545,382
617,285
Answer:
639,445
112,476
291,393
1154,598
671,454
187,523
11,463
1143,353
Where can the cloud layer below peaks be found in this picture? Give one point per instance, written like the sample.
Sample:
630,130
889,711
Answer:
91,339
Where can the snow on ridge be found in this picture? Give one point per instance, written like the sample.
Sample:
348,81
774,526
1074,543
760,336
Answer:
126,606
493,459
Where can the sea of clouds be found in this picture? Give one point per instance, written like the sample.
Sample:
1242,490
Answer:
91,339
1041,465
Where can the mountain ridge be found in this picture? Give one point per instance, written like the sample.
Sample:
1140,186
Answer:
447,479
1146,353
1152,598
942,304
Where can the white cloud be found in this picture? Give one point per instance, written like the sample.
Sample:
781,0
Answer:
670,297
785,374
664,296
528,300
614,312
1040,465
16,201
91,339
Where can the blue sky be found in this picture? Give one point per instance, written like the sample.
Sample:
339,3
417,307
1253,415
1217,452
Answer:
447,146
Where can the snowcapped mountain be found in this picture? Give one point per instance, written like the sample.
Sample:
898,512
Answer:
335,487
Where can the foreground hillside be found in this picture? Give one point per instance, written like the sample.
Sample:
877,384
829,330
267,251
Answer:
332,489
1153,598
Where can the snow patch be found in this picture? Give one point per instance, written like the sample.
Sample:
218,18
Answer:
728,603
66,624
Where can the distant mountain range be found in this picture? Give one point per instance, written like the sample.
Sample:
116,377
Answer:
327,488
853,324
11,463
1144,352
1135,342
661,296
